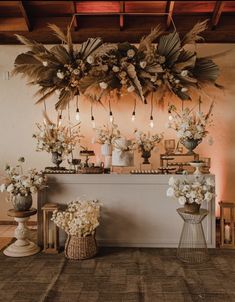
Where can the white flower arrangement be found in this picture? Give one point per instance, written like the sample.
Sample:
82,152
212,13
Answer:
188,191
81,217
56,138
18,183
190,124
106,134
146,142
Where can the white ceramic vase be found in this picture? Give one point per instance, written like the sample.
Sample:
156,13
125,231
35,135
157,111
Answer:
106,149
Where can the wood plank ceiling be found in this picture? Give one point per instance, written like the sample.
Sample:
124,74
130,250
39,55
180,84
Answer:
115,21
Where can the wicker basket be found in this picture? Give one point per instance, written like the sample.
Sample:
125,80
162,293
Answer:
78,248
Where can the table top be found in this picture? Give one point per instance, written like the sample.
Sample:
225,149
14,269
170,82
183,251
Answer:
21,214
193,218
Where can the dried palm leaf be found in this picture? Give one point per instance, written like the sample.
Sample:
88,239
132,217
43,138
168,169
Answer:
185,59
65,97
33,45
169,47
47,95
154,68
104,49
46,117
193,35
61,54
58,32
205,70
89,46
146,42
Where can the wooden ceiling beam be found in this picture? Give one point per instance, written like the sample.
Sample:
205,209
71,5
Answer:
12,25
169,10
74,9
217,13
121,17
25,15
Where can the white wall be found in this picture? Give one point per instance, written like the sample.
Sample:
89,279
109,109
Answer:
18,115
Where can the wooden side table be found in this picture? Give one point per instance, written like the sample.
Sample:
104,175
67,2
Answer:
22,246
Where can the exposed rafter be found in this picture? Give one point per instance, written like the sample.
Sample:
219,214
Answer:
74,9
217,13
169,11
25,15
121,17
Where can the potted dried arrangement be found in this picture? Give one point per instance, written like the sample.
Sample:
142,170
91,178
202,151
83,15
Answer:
123,155
191,193
146,143
22,185
79,221
105,137
191,127
56,139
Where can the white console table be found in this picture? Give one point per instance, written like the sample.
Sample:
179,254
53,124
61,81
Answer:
136,211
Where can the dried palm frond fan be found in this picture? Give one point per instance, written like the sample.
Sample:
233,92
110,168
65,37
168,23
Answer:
94,68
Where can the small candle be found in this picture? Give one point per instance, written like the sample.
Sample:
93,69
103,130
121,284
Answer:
227,233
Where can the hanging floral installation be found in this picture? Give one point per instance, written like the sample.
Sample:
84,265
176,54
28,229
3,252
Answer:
94,69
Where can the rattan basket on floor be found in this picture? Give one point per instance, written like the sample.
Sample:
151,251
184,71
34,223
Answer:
78,248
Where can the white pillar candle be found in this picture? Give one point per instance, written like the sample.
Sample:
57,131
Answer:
227,233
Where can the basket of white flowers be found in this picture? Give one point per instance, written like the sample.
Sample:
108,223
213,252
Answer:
190,193
79,221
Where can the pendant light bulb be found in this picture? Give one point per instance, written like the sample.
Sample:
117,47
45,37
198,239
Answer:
170,117
110,116
151,124
60,120
133,116
77,116
93,121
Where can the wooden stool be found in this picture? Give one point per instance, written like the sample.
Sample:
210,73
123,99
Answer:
22,246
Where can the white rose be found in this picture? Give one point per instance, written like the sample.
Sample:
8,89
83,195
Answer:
210,182
10,188
45,63
184,73
208,196
184,89
177,81
130,53
115,68
90,59
153,79
171,181
131,88
170,192
103,85
60,74
76,71
2,187
182,200
143,64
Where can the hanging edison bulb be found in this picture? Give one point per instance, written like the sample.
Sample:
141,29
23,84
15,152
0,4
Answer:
151,124
60,119
110,116
77,116
133,116
93,121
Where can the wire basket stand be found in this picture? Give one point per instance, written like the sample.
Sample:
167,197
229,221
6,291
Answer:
192,246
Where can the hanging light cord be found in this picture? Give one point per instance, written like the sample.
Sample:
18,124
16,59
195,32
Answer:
151,112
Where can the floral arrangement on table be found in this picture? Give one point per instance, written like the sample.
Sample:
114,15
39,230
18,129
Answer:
20,184
107,134
94,69
145,143
81,217
56,139
190,126
191,192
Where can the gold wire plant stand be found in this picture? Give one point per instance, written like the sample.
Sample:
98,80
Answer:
192,246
